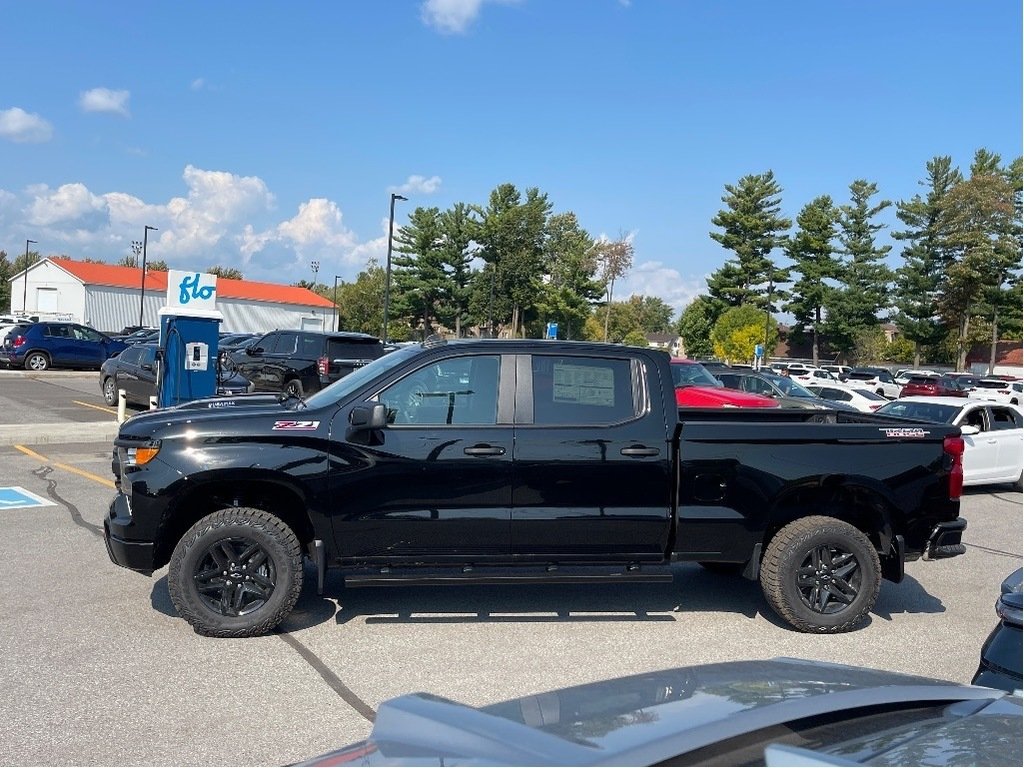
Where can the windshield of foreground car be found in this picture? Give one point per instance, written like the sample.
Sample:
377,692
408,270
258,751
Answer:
692,375
349,384
942,414
789,387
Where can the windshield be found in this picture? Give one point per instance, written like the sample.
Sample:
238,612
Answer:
789,387
345,386
942,414
692,375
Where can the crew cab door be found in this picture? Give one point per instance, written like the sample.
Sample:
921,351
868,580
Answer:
435,484
592,460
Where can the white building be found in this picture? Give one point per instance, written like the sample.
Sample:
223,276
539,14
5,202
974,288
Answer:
109,297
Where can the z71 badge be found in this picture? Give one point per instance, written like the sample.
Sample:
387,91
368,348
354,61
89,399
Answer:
295,426
904,431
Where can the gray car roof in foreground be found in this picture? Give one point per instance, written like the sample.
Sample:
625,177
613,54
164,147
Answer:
649,718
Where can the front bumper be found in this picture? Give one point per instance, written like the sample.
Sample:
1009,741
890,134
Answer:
122,549
944,540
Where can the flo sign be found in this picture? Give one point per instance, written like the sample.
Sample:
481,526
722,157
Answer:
191,290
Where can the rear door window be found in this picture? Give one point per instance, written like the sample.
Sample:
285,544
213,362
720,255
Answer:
582,391
57,331
130,356
1005,418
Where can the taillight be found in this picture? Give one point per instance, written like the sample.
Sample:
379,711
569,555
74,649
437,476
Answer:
18,341
875,406
954,447
322,364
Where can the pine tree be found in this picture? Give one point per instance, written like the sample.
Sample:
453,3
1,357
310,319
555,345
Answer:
917,281
752,229
815,262
418,268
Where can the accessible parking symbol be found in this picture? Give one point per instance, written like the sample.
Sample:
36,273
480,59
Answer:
15,497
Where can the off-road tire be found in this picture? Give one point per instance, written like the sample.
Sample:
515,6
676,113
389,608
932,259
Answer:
199,594
293,387
36,361
722,569
110,391
821,575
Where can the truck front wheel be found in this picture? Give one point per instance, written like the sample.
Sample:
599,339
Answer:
236,573
821,575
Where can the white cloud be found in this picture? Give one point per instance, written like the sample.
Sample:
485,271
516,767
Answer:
453,17
653,278
23,127
105,100
418,185
197,84
69,206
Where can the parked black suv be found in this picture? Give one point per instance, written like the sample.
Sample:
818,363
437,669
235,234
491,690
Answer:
299,362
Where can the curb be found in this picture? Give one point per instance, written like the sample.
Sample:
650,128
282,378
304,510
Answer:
57,433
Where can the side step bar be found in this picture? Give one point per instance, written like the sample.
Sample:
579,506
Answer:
383,577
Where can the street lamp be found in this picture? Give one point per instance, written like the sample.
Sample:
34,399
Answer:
24,284
767,319
336,278
142,289
387,271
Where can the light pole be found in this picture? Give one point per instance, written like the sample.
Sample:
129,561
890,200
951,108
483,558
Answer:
336,278
387,270
767,320
24,284
315,266
142,289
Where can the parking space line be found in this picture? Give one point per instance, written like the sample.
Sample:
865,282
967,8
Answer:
66,467
97,407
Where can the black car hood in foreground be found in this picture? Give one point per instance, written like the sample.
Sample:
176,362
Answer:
723,714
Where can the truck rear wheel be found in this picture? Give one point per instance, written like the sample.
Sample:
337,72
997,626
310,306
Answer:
821,575
236,573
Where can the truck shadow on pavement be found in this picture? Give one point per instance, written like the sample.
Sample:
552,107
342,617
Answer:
692,590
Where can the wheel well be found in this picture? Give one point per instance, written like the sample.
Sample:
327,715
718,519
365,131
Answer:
207,498
861,507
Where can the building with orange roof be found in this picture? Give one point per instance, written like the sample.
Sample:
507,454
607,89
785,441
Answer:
108,297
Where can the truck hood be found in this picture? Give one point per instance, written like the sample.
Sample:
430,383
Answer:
214,413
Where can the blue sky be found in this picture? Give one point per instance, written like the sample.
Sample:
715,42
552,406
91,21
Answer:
266,135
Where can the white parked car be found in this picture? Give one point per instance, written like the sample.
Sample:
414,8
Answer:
878,380
808,374
903,375
998,391
864,400
839,371
993,434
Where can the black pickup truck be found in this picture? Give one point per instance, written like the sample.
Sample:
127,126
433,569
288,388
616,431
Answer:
524,461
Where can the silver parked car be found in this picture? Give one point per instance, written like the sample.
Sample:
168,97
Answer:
777,712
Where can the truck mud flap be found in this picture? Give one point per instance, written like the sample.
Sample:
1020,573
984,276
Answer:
945,540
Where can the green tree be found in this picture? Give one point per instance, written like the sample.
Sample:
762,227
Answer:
459,228
737,332
511,237
751,228
158,265
420,280
644,314
815,262
917,281
228,273
361,305
864,277
982,237
869,344
694,327
570,264
635,338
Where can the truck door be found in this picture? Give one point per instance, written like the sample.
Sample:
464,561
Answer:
437,483
593,474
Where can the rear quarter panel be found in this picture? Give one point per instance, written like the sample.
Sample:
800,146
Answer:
740,481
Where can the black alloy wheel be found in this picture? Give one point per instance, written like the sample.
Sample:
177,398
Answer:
821,574
829,579
236,573
235,576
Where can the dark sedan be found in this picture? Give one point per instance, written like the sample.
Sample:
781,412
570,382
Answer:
788,393
135,370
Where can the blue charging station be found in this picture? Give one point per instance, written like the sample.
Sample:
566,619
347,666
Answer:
188,345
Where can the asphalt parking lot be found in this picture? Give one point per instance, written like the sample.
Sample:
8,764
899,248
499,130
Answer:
97,669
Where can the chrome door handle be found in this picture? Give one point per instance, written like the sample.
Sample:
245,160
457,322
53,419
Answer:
639,450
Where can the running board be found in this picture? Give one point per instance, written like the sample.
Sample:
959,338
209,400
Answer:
383,577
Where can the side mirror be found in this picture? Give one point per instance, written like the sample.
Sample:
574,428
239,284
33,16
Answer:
374,417
253,351
147,366
968,429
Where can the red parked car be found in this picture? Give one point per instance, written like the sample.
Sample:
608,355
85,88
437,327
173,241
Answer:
696,388
933,386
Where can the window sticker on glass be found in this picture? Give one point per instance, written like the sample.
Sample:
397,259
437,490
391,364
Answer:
584,385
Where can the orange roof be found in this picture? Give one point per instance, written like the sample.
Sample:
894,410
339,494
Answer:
131,277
